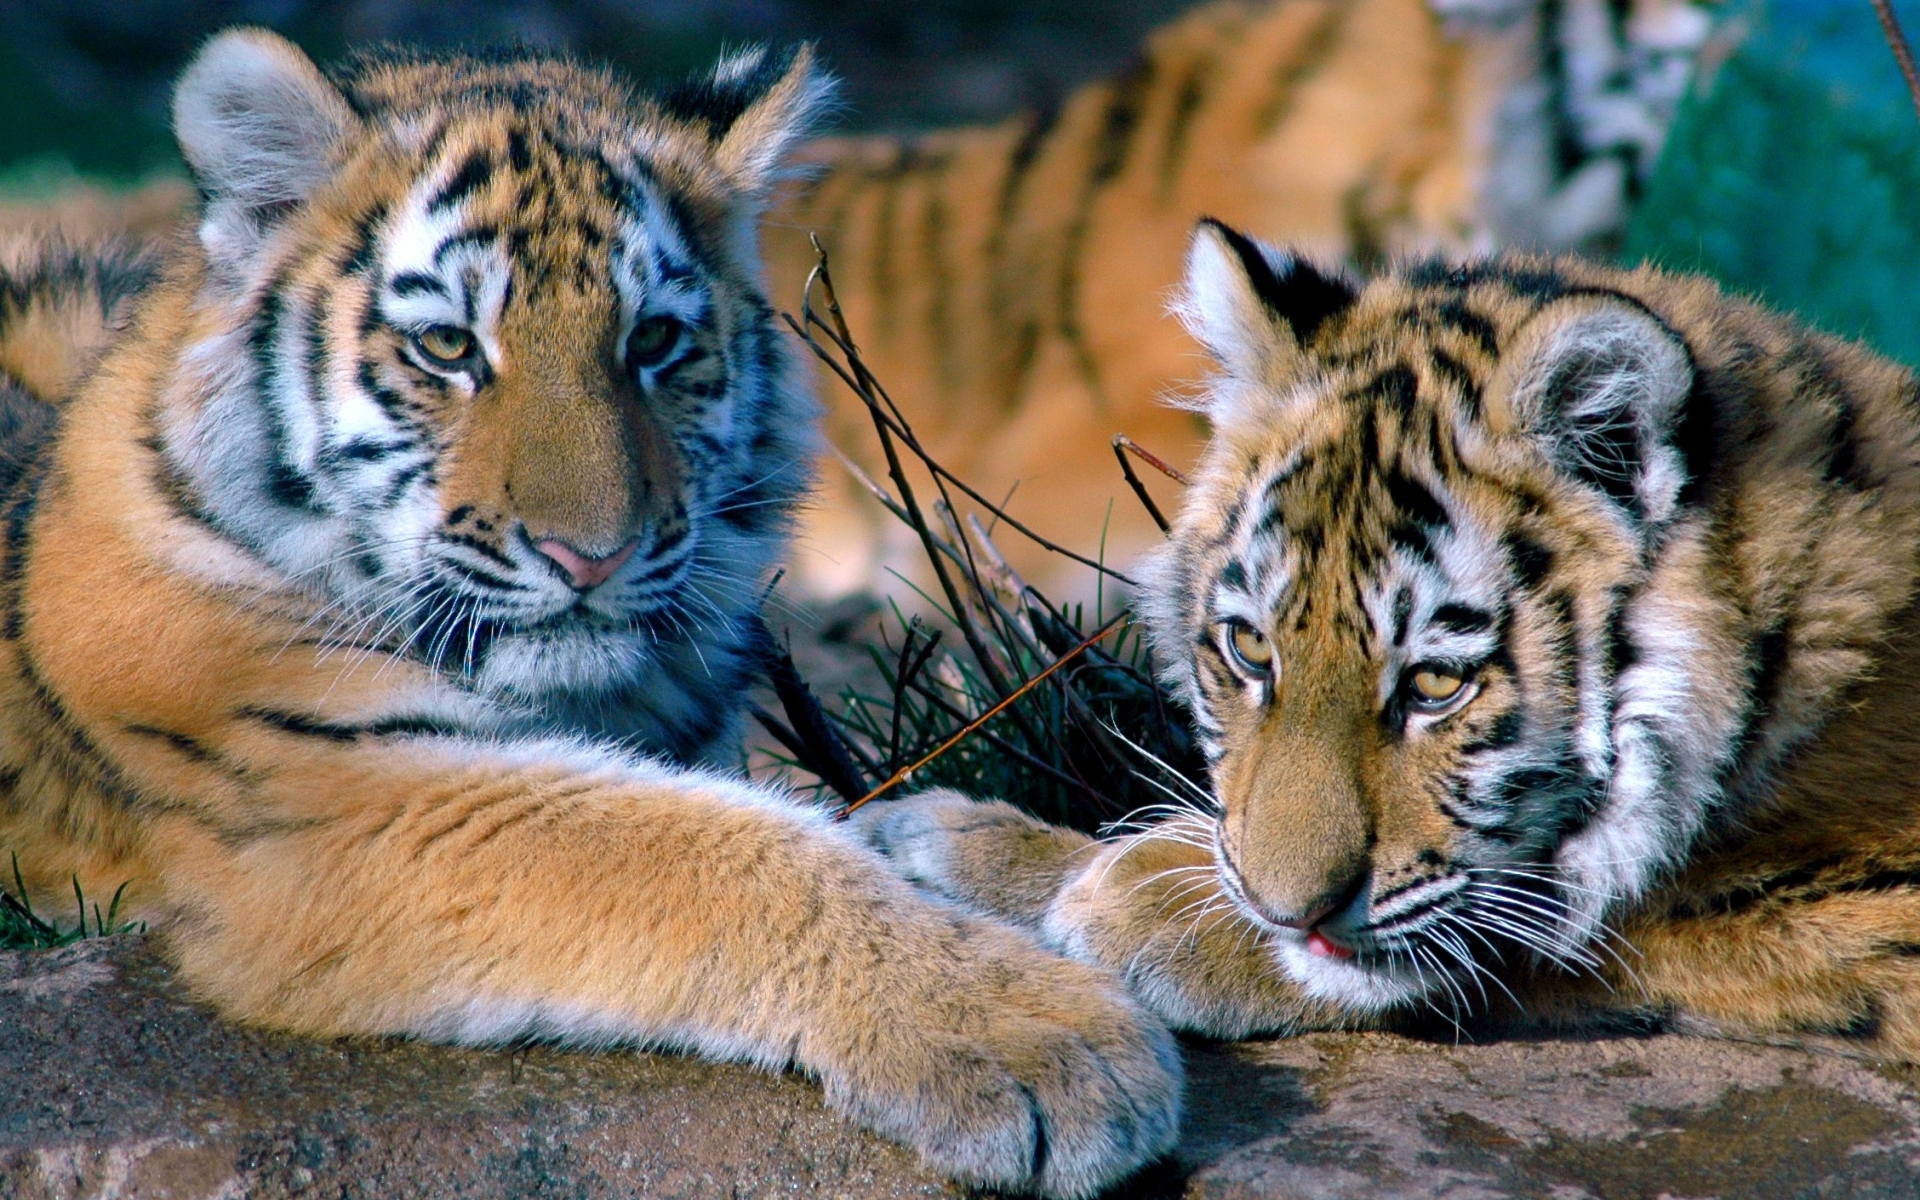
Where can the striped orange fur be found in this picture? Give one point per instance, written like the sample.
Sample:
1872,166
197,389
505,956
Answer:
373,601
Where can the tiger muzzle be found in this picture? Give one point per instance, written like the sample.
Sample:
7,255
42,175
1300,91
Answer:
1297,834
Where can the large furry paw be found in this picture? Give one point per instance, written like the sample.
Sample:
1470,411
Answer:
1025,1070
985,854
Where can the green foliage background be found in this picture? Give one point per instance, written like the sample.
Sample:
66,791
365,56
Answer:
1793,174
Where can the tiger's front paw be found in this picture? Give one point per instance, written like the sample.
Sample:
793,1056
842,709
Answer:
985,854
1014,1068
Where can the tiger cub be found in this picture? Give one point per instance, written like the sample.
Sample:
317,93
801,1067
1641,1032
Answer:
372,601
1552,633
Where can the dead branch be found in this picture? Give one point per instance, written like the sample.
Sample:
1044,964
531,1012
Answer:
1902,50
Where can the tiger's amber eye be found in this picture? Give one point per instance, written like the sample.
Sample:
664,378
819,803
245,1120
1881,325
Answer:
652,340
445,345
1436,687
1250,647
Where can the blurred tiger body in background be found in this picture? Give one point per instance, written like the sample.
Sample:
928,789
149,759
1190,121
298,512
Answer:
1008,284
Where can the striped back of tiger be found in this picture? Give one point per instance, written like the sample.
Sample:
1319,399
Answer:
1009,283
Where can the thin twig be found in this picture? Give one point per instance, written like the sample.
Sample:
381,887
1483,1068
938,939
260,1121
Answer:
856,376
910,664
888,427
861,381
1902,51
906,773
1120,443
1016,753
1123,442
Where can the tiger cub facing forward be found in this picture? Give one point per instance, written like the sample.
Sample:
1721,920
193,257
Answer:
1552,634
368,601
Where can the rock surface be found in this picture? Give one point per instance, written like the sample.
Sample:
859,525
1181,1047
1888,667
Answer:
114,1084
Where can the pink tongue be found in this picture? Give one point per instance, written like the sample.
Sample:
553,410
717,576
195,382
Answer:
1318,943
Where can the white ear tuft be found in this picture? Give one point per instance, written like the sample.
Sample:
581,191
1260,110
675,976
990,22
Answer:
755,106
258,124
1253,306
1218,306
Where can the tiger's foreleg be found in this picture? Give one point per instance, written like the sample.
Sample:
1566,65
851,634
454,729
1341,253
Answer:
471,894
1148,906
1841,968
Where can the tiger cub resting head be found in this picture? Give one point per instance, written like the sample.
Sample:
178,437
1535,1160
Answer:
1550,631
366,603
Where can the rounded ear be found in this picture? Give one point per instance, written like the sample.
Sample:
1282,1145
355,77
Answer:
754,107
1253,306
1602,384
258,124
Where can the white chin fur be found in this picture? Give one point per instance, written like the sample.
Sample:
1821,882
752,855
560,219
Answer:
579,662
1342,982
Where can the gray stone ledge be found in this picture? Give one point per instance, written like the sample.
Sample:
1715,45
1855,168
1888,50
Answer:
114,1084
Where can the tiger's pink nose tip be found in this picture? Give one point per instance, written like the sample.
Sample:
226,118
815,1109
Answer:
583,572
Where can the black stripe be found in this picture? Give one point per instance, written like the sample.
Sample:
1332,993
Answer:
1118,124
479,235
934,223
1504,732
1456,373
366,449
1026,151
483,548
412,283
187,746
1455,315
1397,385
1843,467
472,176
1460,618
21,505
402,480
1402,615
1532,562
1317,46
304,725
1414,501
483,579
1186,105
284,484
360,258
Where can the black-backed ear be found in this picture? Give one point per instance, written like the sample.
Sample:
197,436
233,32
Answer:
754,107
1254,306
259,126
1603,384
